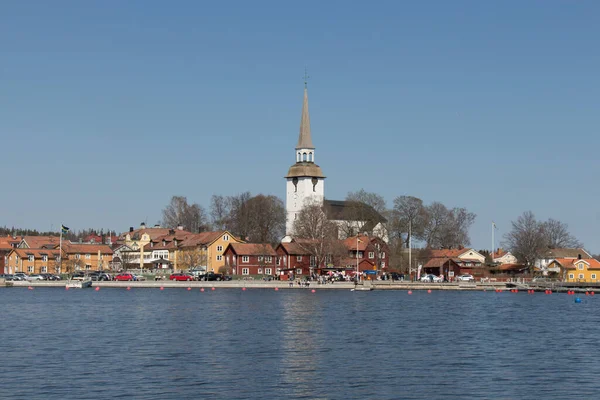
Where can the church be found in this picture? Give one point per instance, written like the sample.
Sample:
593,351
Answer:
305,183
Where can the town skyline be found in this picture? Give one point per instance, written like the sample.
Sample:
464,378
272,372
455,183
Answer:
458,110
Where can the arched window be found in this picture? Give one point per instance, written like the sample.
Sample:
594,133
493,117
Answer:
303,156
310,156
298,158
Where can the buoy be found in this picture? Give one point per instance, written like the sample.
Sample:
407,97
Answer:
313,291
97,288
591,293
202,289
587,293
577,300
30,288
428,290
189,288
212,288
66,288
162,288
516,291
128,287
276,289
410,292
243,289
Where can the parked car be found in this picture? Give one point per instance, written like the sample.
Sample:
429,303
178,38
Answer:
211,276
78,276
181,277
36,277
139,277
395,276
431,278
125,277
7,277
21,276
465,278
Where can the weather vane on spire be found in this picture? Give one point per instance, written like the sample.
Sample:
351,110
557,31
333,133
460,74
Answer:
305,77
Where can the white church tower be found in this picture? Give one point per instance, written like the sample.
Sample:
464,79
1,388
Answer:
305,180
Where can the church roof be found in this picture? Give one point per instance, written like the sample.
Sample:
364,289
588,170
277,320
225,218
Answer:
303,168
304,139
342,210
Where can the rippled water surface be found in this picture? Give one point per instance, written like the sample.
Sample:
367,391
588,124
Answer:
264,344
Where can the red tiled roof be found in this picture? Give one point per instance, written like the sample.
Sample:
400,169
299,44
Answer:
510,267
82,248
448,253
363,242
36,242
499,253
294,249
252,249
569,263
204,238
8,242
152,232
37,253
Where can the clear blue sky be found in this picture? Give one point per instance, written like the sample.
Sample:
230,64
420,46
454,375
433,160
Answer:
108,108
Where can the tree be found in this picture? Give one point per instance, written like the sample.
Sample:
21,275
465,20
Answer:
408,219
192,217
437,218
455,231
317,235
220,209
527,239
192,257
239,220
557,235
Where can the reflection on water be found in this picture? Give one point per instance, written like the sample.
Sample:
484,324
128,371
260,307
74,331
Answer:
256,344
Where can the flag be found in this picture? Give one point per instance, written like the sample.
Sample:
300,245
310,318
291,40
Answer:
494,225
64,229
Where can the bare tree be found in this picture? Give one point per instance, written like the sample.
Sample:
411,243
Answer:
192,257
527,239
239,221
557,235
317,235
437,218
408,219
455,231
192,217
267,224
220,210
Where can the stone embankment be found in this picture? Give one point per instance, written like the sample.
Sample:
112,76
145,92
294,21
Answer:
259,284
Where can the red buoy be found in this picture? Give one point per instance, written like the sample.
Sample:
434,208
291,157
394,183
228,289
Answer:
128,287
97,288
591,293
29,287
202,289
313,290
162,288
410,292
243,289
428,290
212,288
189,288
587,293
66,288
276,289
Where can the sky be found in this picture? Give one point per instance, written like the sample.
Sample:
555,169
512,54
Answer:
109,108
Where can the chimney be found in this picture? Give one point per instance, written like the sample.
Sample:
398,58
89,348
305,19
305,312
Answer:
180,227
142,225
131,229
156,225
579,256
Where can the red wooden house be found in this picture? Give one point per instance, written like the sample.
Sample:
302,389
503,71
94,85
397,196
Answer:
251,259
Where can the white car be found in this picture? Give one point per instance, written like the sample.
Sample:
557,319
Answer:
431,278
465,278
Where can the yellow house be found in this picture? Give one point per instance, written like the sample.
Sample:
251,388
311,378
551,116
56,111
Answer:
137,239
578,270
33,261
88,257
211,246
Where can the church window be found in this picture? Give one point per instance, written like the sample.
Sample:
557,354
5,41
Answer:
310,157
304,157
298,157
295,182
314,182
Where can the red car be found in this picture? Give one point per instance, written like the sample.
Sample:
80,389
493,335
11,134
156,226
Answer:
181,277
125,277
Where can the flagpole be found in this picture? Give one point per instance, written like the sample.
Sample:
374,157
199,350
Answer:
60,251
493,242
409,250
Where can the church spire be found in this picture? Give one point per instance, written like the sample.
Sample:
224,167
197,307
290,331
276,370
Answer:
304,139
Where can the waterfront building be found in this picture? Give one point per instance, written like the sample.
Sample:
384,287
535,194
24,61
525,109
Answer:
33,261
452,262
577,269
7,243
502,257
39,242
251,259
305,184
85,257
543,264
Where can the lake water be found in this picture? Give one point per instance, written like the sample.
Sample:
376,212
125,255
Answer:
266,344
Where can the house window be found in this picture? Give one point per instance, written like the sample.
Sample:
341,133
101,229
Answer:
245,271
278,260
30,268
44,258
260,270
580,276
219,258
371,254
383,264
580,266
43,269
313,261
594,276
88,267
298,258
299,271
383,254
88,256
260,258
226,239
571,276
360,254
219,248
245,259
268,271
31,258
268,259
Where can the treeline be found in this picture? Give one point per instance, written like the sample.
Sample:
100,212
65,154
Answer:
72,235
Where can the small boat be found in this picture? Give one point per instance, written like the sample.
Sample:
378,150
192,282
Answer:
79,284
362,289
